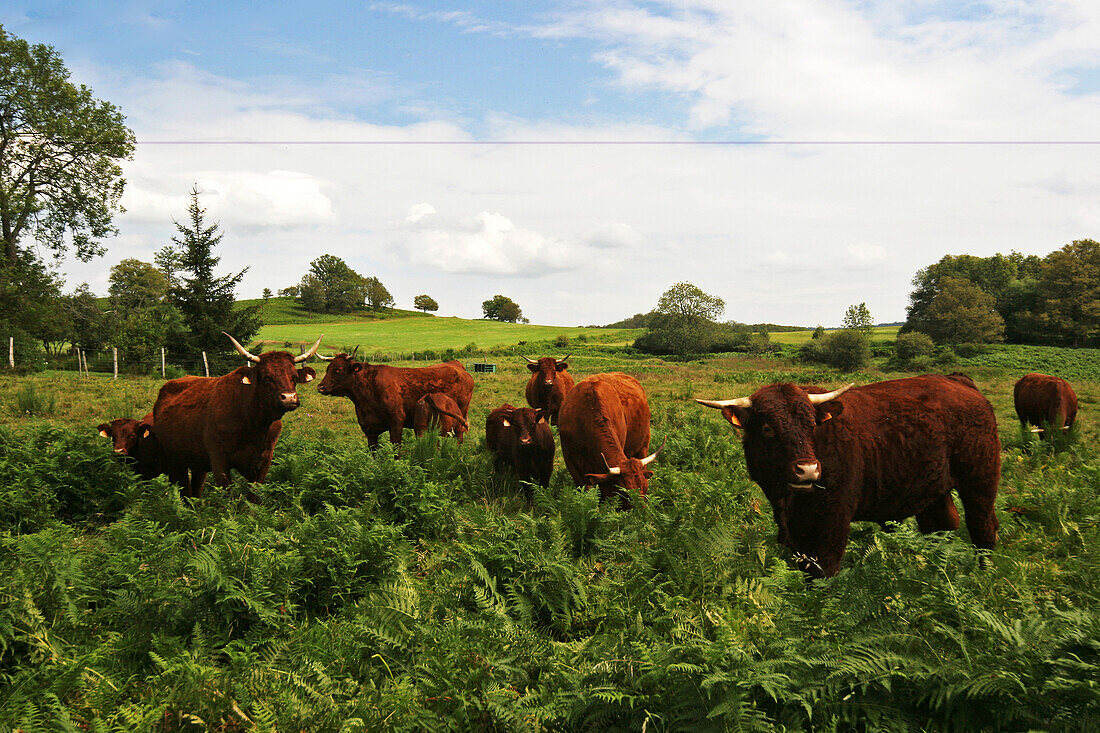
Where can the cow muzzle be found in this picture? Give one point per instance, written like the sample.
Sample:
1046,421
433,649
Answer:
289,401
805,474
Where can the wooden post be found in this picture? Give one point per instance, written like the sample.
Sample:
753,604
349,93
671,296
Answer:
11,351
115,350
205,364
80,362
163,373
84,361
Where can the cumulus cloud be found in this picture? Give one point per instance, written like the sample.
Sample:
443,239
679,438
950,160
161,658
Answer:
486,243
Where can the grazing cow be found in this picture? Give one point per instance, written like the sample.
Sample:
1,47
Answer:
520,437
229,422
136,441
385,397
548,385
881,452
1041,398
440,409
604,430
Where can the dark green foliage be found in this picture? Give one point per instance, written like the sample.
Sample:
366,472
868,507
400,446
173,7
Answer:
914,351
501,308
683,322
331,286
425,303
846,350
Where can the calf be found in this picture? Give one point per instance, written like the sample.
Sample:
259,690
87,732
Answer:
440,409
136,441
1045,402
520,438
604,429
881,452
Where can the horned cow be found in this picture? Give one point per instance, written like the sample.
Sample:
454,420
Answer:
548,385
1045,401
520,438
136,441
881,452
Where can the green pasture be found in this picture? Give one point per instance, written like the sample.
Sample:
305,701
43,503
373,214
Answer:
418,588
797,338
287,310
403,336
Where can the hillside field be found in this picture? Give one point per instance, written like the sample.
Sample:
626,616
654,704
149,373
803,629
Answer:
416,589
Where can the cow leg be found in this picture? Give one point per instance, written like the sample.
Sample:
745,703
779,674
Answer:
818,535
395,433
981,516
940,516
198,478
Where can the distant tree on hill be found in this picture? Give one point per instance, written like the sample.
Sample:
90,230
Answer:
425,303
378,297
1068,294
502,308
134,285
683,322
291,292
858,318
266,293
818,332
331,286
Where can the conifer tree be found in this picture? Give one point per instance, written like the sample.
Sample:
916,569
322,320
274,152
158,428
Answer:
206,301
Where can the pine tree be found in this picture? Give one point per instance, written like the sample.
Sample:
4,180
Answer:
207,302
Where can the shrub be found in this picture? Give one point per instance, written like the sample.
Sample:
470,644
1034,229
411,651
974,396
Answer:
846,350
561,341
30,402
914,350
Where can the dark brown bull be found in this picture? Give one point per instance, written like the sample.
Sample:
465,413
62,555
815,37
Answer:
1045,402
136,441
441,410
548,385
604,430
229,422
881,452
385,397
520,438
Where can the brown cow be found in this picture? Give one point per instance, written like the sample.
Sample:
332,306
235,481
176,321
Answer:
440,409
520,438
385,397
229,422
1045,401
885,452
136,441
548,385
604,430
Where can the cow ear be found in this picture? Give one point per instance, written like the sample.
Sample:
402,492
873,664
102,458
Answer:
592,479
306,374
533,367
246,377
829,410
505,423
355,367
738,417
561,367
103,428
648,473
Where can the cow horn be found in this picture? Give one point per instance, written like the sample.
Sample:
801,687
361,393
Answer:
322,357
313,350
817,399
650,458
745,402
1036,430
613,471
562,360
353,352
243,351
529,359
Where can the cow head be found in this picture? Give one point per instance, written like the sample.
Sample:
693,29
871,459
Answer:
629,476
339,379
274,376
778,424
523,421
125,434
547,368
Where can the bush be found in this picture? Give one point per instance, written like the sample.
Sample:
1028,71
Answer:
845,350
914,350
30,402
29,356
561,341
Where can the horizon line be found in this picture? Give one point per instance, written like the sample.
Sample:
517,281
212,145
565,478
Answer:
618,142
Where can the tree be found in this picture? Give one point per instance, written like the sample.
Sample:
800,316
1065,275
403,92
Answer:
962,313
89,326
291,292
1068,293
846,350
858,318
331,286
206,303
30,296
502,308
818,332
378,297
425,303
683,322
135,285
266,294
60,178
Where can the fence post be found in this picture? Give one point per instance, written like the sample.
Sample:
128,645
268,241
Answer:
84,361
163,374
11,351
205,364
115,350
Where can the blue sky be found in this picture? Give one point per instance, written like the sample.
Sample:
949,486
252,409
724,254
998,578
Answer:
590,233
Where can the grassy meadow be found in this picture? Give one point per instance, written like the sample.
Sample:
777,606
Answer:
416,589
880,334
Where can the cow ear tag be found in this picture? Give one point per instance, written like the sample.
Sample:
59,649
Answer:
827,416
506,423
731,416
246,380
104,433
145,433
309,377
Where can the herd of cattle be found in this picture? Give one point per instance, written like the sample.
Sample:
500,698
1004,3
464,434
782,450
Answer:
879,452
